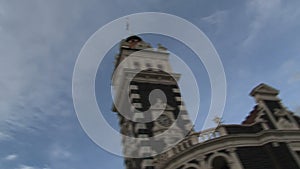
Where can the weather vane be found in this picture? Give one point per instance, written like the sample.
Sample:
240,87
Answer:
128,26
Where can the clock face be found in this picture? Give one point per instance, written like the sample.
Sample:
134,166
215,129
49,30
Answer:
164,120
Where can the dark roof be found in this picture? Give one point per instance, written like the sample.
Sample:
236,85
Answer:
250,119
134,37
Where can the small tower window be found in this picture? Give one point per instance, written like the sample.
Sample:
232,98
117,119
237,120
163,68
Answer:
160,67
148,65
136,65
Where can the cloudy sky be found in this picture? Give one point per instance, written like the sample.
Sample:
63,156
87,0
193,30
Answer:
258,41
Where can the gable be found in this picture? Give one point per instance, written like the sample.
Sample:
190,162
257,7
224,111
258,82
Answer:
264,89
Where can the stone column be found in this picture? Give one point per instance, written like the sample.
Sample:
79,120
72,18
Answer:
235,163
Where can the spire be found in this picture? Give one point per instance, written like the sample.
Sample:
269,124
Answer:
128,26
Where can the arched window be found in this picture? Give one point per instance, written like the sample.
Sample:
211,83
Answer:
220,163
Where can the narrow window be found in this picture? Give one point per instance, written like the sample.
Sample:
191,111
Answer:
148,65
136,65
160,67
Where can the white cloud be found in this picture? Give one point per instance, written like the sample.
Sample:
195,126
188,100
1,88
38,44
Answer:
268,16
58,152
26,167
30,167
11,157
216,18
262,11
33,77
5,136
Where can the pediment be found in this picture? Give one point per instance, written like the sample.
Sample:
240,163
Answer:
264,90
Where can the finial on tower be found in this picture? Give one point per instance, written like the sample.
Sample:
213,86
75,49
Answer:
218,120
128,26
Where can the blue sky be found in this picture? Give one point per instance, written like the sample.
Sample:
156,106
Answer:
258,41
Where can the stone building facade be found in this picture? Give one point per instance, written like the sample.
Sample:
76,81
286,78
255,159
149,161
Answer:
269,138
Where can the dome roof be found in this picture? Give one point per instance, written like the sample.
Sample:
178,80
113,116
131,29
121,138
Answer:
133,38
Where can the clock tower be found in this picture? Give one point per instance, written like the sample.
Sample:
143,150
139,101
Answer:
152,115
